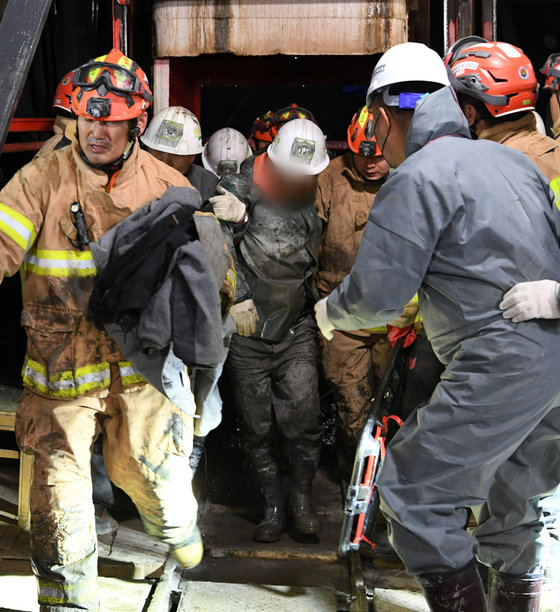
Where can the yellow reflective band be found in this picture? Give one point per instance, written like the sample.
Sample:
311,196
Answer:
60,264
17,226
555,186
231,275
129,374
66,384
362,119
55,593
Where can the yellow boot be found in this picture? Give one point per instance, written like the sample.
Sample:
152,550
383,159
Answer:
190,555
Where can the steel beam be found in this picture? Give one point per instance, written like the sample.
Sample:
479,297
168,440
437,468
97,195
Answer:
490,19
20,30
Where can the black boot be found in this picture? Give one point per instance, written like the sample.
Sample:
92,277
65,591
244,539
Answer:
514,593
458,591
268,478
302,470
196,453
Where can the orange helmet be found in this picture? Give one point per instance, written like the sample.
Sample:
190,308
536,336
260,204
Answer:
551,71
262,126
288,113
111,87
63,94
361,138
496,73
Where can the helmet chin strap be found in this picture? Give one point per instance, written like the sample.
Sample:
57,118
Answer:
112,167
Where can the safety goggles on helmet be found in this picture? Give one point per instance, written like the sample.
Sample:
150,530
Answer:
106,76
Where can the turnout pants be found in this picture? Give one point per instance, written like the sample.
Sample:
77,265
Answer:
278,382
489,440
352,365
147,442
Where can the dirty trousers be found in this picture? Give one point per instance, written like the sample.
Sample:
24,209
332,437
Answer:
489,440
278,382
352,365
147,443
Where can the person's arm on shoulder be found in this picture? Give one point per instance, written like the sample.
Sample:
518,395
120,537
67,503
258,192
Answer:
401,234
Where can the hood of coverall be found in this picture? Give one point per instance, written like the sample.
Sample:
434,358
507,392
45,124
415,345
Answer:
436,115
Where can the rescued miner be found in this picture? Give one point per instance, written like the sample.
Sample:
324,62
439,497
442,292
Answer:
77,382
175,138
476,219
272,357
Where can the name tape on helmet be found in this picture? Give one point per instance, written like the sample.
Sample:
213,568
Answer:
302,150
460,68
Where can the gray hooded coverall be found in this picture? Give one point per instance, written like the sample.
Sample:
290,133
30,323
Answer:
465,220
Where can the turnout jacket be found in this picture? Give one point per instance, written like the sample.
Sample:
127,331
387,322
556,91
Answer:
523,136
276,255
67,354
460,222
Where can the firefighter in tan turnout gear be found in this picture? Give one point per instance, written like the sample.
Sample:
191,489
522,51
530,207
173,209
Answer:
354,360
77,383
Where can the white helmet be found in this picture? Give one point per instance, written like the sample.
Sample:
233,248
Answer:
224,151
174,130
299,147
405,63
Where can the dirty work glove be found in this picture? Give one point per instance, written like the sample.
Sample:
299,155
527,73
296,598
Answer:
532,300
325,326
245,316
228,207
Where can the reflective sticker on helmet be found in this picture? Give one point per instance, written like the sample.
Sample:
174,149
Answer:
523,72
302,150
527,102
363,117
508,49
461,67
171,132
198,134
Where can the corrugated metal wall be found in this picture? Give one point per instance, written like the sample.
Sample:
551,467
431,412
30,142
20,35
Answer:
269,27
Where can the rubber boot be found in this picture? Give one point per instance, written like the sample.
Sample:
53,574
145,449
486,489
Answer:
514,593
196,453
190,554
459,591
267,476
302,471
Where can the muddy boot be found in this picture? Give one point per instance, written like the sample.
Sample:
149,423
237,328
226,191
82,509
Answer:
302,470
458,591
196,453
514,593
268,478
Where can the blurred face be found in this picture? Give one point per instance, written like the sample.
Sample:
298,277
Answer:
371,168
293,191
103,142
181,163
390,135
260,144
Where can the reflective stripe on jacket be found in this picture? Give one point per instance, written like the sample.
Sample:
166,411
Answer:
67,354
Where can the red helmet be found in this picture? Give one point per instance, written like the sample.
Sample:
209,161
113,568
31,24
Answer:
262,127
288,113
111,88
361,138
551,71
63,94
496,73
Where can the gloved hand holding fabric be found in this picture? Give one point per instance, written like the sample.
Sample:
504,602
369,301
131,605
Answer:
325,326
228,207
245,316
532,300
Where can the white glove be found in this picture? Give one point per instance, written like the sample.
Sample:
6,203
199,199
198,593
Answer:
245,316
532,300
228,207
325,326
